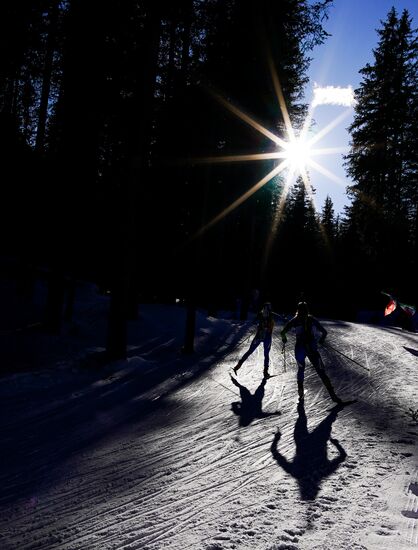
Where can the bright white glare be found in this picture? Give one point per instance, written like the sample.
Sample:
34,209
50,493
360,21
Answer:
333,95
298,153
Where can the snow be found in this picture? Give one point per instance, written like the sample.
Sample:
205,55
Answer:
165,451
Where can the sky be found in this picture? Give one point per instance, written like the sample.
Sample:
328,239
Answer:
352,25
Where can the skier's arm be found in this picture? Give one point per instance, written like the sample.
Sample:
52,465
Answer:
338,446
236,383
286,329
257,319
280,459
335,462
323,331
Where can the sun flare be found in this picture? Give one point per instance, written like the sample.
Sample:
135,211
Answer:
294,155
298,153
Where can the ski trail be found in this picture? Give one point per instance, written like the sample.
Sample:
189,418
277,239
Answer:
187,474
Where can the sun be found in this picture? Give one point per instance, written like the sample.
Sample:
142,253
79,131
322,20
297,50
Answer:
298,154
295,154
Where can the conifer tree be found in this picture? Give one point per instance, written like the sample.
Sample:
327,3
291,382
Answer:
328,220
298,244
383,160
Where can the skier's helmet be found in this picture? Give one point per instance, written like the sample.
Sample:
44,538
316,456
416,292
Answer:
302,309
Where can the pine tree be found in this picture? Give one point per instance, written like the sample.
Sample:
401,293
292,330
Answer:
230,42
327,265
382,163
298,245
328,220
53,13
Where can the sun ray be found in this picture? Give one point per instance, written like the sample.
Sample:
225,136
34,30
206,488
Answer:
246,118
337,120
277,216
307,122
279,168
308,187
296,154
329,151
239,158
325,172
281,100
311,195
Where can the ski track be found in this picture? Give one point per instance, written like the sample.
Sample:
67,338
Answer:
186,473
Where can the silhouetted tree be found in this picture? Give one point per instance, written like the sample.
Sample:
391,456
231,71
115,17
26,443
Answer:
383,161
328,220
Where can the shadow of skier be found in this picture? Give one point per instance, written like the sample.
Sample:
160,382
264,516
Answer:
311,464
411,350
250,406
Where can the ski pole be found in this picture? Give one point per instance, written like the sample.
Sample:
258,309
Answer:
282,317
284,356
244,340
346,356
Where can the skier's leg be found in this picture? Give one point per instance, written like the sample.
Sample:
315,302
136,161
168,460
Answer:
316,361
300,355
253,346
301,391
267,346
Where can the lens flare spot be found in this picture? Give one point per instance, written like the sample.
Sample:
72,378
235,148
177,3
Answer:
298,153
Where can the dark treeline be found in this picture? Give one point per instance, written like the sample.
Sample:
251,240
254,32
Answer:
107,109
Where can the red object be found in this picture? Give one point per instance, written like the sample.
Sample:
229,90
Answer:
390,308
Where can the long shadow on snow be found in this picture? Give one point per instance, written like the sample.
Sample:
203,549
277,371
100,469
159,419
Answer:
35,447
413,351
334,323
310,465
88,371
352,382
250,406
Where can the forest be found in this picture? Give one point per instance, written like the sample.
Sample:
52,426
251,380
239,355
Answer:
111,114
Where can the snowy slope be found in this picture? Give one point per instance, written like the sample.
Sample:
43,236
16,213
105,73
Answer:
164,452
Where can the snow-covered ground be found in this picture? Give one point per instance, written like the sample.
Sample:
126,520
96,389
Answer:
165,451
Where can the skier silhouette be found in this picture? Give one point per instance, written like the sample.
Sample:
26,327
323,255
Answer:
250,406
263,335
311,464
306,346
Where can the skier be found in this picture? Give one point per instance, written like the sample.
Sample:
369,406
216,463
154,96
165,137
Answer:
263,334
305,346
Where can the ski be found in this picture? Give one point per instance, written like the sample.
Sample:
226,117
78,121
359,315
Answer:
235,374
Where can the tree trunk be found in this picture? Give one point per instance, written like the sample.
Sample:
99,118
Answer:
55,302
416,254
69,304
190,327
171,52
46,81
185,54
124,286
117,337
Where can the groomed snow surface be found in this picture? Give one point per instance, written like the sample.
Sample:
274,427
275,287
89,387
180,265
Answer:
164,451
